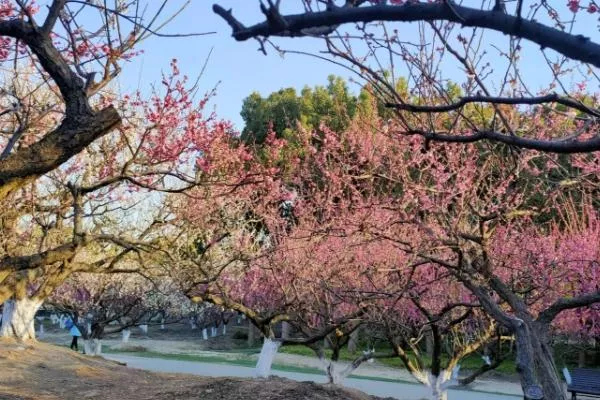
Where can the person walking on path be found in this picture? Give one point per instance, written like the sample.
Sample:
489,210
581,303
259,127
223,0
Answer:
73,331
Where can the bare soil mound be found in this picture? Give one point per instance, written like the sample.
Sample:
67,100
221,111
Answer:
45,372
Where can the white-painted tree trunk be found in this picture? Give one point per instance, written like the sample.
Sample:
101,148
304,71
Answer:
144,329
336,373
213,332
41,331
285,330
92,347
54,318
437,390
125,333
266,357
18,318
224,329
438,385
88,326
204,334
162,324
61,322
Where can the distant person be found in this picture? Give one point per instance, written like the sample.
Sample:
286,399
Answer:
73,331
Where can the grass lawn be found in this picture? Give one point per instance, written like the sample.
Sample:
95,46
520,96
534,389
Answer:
244,358
470,363
241,361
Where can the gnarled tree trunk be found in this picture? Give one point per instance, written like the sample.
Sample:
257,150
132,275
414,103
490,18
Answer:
535,362
18,318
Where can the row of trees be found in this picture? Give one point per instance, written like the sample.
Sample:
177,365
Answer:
366,219
360,228
500,102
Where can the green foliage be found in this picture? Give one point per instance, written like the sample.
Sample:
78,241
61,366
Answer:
281,111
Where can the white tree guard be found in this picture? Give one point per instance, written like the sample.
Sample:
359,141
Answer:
144,329
92,347
204,334
125,333
266,357
438,385
336,372
18,318
7,315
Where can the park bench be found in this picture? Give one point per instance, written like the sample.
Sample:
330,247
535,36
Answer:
583,381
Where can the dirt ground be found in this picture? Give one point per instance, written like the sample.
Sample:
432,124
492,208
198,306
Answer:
45,372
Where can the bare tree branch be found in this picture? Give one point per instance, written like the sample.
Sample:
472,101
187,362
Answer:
561,305
576,47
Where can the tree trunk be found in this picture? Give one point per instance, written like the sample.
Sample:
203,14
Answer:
92,347
438,391
41,331
535,362
18,318
353,341
266,356
285,330
125,333
429,344
251,334
334,373
581,358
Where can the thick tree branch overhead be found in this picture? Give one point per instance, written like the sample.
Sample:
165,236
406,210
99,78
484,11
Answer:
576,47
81,125
560,146
414,72
584,300
65,48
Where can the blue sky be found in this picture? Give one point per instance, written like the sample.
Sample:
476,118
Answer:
239,68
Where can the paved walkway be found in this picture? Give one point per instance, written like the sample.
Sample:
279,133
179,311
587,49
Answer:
399,390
